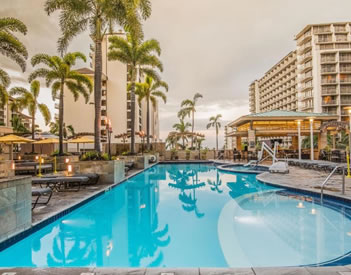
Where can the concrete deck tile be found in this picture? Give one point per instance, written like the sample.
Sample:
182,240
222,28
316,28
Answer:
226,271
47,271
332,270
120,271
281,271
172,271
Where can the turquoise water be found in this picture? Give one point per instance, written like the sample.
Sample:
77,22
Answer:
189,215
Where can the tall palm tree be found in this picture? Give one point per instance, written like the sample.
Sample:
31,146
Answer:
100,16
29,100
149,90
18,126
140,58
12,48
214,122
188,109
67,130
182,130
58,74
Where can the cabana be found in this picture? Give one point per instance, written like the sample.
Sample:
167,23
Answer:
277,124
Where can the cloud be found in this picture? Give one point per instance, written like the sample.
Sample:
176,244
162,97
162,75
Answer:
216,48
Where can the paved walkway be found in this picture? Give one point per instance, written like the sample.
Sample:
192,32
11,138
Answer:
308,179
343,270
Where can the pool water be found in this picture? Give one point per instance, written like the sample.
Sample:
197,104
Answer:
189,215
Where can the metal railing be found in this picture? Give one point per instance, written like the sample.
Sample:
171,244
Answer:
328,178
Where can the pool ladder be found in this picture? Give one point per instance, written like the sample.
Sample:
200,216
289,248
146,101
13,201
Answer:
328,178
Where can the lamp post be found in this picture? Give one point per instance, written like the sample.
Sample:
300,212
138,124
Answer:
299,137
312,143
109,133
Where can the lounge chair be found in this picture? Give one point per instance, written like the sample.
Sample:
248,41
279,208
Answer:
128,166
61,183
39,192
93,178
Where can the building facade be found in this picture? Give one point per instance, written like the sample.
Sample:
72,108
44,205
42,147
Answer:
115,102
315,77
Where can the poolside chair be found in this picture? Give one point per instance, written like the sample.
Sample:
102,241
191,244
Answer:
41,192
93,178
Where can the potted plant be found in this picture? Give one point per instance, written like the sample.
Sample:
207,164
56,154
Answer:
204,154
187,154
174,154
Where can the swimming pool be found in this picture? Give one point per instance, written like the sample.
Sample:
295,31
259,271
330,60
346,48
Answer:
190,215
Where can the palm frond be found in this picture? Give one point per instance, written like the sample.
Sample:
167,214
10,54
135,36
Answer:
44,110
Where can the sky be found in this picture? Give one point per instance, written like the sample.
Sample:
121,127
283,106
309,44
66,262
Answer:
214,47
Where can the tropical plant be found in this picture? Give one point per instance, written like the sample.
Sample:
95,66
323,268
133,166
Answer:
140,58
306,142
182,131
29,100
94,155
172,141
67,130
59,75
188,109
214,122
100,16
18,126
12,48
150,91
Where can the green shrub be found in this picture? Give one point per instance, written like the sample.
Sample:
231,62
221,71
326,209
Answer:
93,155
56,153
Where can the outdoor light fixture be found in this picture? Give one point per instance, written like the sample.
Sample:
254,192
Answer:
142,206
67,160
300,205
36,157
19,157
313,211
69,168
13,165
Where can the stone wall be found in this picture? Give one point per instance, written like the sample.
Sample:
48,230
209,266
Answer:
110,171
15,206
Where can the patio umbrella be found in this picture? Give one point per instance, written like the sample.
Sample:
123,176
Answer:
81,140
48,141
13,139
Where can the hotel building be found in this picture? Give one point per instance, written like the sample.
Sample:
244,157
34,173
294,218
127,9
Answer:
315,77
116,104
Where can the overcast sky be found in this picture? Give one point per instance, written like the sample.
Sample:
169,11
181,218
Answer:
215,47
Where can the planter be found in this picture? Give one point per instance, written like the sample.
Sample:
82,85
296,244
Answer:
61,164
140,162
109,171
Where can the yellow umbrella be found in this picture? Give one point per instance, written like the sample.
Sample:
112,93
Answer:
48,141
13,139
81,140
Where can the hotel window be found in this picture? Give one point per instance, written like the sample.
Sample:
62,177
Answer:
345,67
342,46
345,89
345,78
326,46
340,28
321,29
341,37
328,68
330,57
324,38
328,79
129,125
345,57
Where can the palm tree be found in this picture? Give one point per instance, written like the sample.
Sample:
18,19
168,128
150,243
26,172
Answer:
60,75
182,128
140,58
29,100
67,130
149,90
100,16
12,48
214,122
188,108
18,126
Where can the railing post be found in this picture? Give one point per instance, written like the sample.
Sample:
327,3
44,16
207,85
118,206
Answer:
343,181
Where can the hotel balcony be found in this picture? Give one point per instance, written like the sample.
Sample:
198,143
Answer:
304,38
325,60
345,101
307,56
329,82
329,103
345,58
329,92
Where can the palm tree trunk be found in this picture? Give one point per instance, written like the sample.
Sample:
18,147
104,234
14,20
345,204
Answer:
192,129
61,118
148,124
33,131
216,139
97,95
132,109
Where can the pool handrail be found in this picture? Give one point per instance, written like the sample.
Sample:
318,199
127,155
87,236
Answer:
328,178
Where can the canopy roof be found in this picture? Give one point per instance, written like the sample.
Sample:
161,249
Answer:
81,140
9,139
277,115
48,141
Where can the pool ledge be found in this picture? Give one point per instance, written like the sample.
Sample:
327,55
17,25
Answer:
266,178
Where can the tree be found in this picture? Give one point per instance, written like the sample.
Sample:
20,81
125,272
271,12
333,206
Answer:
18,126
29,100
100,16
214,122
149,90
188,109
67,130
12,48
140,58
59,75
182,128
